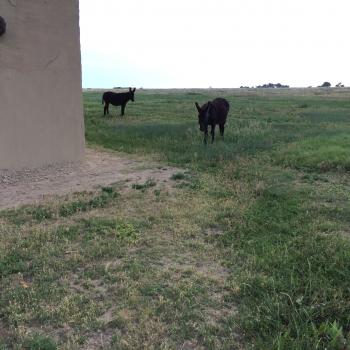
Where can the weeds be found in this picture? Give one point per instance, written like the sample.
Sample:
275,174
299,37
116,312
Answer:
178,176
39,342
149,183
41,213
105,198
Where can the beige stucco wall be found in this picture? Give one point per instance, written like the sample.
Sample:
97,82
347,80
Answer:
41,115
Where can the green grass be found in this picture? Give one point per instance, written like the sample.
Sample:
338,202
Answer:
319,153
299,288
250,249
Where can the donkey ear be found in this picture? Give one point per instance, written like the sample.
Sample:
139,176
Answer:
130,89
134,90
198,108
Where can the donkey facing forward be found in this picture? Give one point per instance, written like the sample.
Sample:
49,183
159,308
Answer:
212,113
117,99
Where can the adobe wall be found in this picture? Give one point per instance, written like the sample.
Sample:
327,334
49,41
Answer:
41,113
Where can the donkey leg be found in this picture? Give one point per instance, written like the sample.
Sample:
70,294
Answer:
106,109
212,133
222,129
123,109
205,136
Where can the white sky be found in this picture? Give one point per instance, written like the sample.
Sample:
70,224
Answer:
217,43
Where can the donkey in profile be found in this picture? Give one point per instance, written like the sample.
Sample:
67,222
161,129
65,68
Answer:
117,99
212,113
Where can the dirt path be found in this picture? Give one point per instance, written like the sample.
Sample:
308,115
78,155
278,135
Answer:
100,168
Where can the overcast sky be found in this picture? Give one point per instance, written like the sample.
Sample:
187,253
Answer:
217,43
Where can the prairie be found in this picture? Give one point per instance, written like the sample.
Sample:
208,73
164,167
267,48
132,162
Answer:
249,248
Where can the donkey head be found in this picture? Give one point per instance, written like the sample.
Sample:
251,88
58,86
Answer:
203,115
132,94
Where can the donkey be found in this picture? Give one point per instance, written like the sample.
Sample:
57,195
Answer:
2,26
212,113
120,99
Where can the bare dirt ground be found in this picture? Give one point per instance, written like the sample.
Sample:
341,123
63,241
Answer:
100,168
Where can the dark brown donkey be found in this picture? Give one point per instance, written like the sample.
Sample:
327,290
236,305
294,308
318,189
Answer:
117,99
213,113
2,26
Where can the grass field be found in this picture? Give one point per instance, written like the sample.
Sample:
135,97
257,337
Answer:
250,250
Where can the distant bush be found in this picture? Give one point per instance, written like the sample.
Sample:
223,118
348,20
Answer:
326,84
272,86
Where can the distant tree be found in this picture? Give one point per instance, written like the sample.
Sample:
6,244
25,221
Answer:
326,84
